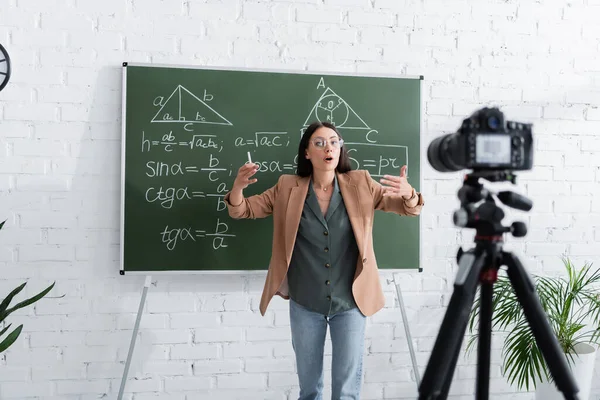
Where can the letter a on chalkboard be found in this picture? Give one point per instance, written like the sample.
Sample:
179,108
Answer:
185,107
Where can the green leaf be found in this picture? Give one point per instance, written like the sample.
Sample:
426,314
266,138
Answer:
11,338
549,292
522,357
5,329
8,299
471,343
2,224
29,301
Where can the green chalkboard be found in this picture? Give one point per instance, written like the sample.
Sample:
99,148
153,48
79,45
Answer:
187,130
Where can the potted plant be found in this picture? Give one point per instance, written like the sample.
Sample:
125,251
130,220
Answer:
5,311
572,304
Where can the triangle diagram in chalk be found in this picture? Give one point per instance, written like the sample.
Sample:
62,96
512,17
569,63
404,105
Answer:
185,107
332,108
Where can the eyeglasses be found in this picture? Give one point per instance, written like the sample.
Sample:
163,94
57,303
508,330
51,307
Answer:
322,143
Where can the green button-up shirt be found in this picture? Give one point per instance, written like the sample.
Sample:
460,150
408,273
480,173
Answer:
324,259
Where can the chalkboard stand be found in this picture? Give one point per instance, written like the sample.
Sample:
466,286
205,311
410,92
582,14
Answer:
134,336
407,329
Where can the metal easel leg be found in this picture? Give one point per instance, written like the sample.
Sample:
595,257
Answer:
408,336
134,336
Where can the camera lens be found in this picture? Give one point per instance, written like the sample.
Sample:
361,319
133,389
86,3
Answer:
433,152
439,154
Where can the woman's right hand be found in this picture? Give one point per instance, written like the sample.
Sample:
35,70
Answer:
244,176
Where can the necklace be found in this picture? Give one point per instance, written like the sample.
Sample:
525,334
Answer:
324,188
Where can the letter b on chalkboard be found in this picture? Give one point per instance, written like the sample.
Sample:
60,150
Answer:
221,204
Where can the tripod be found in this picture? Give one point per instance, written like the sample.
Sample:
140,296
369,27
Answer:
479,266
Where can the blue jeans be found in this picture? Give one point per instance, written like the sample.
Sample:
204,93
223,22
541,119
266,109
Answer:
347,331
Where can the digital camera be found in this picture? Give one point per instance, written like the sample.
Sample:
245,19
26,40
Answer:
485,141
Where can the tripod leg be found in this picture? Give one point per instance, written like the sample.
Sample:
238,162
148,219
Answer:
484,346
448,381
484,343
441,364
536,317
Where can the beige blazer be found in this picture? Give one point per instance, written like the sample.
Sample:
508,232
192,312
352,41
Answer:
285,201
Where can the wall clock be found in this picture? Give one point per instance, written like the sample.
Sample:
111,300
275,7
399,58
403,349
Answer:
4,67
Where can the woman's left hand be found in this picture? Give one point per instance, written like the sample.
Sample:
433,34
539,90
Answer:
397,186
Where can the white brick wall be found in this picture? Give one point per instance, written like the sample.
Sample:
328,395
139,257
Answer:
205,339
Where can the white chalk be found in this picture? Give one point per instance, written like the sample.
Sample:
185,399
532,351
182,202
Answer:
249,158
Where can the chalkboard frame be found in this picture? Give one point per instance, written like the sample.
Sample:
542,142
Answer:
125,64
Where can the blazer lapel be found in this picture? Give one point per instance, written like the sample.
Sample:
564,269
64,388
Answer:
293,214
352,202
313,204
336,200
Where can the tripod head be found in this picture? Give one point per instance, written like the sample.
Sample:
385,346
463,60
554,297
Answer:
479,209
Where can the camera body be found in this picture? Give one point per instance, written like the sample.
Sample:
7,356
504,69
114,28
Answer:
484,142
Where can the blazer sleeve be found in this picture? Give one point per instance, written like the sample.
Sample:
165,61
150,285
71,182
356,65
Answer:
256,206
388,204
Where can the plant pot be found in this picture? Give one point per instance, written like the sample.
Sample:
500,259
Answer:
582,368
